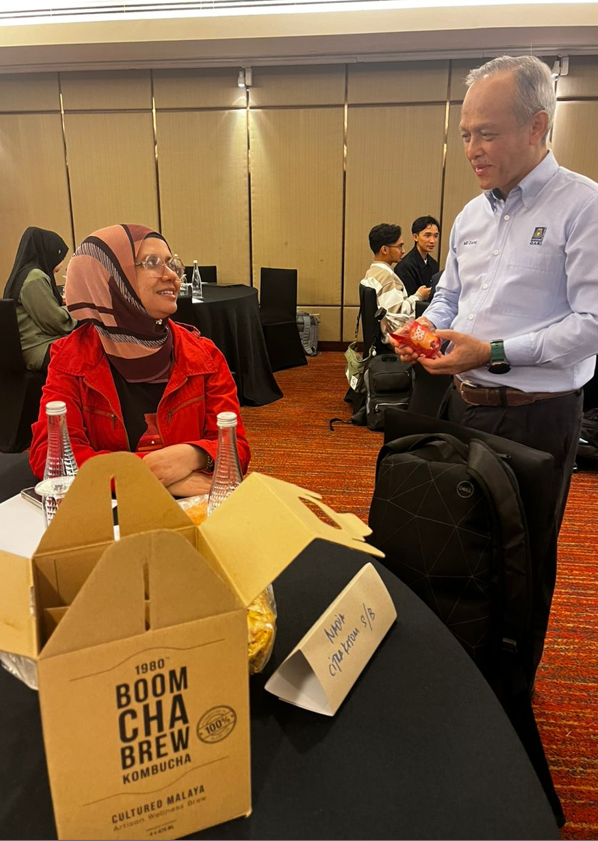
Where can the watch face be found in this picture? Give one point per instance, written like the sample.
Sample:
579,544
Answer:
499,367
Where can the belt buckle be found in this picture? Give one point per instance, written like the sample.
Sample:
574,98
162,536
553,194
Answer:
465,386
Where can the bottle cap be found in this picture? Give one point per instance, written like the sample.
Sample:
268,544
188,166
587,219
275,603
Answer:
56,407
226,419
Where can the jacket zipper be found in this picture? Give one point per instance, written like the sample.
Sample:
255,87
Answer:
112,414
182,406
101,412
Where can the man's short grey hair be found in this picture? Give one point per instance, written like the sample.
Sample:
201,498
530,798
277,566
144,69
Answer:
534,85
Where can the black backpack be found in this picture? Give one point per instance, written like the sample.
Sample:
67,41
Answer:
445,514
388,385
449,517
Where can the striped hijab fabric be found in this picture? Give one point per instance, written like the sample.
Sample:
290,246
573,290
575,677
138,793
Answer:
101,288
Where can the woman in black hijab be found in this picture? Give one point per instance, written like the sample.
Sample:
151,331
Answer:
31,284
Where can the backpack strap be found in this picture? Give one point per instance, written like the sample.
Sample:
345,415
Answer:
357,324
500,488
408,443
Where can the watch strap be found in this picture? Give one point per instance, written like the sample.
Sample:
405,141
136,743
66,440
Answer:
497,351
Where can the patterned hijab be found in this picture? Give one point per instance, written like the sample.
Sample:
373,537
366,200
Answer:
38,249
101,288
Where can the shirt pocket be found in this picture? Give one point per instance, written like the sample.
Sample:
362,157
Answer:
532,285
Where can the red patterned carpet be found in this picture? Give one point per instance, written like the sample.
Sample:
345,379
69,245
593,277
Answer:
291,439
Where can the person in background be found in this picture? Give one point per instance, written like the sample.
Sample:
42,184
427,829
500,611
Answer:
417,268
518,298
131,378
41,316
387,245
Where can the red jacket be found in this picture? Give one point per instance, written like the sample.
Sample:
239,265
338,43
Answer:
200,386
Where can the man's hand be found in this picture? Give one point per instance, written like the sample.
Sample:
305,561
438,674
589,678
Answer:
195,484
424,292
171,464
465,354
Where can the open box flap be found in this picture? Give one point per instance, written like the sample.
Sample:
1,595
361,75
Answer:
256,533
160,566
17,621
143,505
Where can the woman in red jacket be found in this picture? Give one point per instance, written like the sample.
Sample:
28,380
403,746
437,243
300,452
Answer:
131,378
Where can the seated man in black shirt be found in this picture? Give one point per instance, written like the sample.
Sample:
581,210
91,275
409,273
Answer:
417,267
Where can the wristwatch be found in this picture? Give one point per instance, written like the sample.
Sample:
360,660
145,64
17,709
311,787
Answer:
498,363
209,467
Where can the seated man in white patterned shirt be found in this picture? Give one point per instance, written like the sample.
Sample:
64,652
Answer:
387,244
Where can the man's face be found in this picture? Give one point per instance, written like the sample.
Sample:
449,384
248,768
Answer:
394,253
427,239
501,151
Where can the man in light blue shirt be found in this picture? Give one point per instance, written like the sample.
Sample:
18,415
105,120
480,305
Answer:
518,300
520,288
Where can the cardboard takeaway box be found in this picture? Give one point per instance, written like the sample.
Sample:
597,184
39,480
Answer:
141,644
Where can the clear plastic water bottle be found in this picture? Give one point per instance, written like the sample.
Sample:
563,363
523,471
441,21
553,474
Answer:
185,288
227,472
261,613
196,283
61,466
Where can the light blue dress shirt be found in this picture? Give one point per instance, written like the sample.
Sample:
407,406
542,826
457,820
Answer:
525,270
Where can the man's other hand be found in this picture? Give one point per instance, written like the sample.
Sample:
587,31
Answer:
464,354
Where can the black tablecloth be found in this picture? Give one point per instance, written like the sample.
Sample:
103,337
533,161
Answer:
230,317
420,749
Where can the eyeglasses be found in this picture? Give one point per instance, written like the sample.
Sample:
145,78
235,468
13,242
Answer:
155,265
400,246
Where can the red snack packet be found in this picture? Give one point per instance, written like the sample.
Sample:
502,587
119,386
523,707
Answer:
419,338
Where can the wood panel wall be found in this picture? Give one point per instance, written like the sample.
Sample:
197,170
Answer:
292,173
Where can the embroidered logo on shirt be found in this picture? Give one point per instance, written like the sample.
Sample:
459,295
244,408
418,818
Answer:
537,236
470,242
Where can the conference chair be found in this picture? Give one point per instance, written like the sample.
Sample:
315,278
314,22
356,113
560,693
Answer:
434,283
278,314
420,308
20,389
370,326
209,274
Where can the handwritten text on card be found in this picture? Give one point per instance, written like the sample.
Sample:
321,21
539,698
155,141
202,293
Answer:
343,640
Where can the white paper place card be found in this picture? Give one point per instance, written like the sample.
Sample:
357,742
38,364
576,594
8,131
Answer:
320,671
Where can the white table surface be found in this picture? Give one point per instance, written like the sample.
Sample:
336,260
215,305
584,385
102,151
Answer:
21,526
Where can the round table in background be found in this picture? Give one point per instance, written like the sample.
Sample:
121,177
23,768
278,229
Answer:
230,317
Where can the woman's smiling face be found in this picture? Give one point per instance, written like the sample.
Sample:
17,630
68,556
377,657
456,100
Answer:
157,294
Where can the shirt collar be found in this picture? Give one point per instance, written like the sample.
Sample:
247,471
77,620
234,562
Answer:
529,187
384,266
